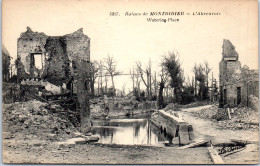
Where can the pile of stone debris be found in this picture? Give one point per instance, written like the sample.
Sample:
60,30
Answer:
242,118
32,119
236,118
207,113
112,106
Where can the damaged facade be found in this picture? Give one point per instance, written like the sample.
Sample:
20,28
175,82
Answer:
5,64
237,85
56,62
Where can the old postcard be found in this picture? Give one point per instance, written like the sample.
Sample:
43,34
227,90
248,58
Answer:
130,82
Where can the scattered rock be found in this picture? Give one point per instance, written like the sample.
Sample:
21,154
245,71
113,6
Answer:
66,144
78,134
36,119
52,136
22,118
78,140
92,138
7,135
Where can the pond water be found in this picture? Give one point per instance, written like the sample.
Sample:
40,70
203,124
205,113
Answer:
135,130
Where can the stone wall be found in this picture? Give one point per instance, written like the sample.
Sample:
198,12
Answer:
78,50
56,62
5,64
29,43
228,50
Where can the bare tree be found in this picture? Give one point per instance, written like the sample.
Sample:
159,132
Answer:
137,80
163,79
94,68
110,67
106,79
100,79
145,72
155,83
132,74
207,70
123,90
149,77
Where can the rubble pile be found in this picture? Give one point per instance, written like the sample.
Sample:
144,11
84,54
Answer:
209,113
241,118
113,106
254,102
194,104
171,106
31,119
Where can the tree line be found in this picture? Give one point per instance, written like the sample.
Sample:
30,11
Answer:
165,86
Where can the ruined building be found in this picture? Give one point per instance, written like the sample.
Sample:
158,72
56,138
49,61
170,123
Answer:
5,64
52,58
236,84
55,62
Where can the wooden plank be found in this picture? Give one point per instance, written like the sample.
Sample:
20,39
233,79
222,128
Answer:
192,145
229,116
215,157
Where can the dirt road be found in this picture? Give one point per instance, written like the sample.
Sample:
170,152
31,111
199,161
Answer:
205,129
208,129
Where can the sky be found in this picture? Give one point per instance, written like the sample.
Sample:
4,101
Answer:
131,38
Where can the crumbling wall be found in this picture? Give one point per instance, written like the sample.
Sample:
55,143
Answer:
5,64
57,63
65,59
228,50
29,43
78,49
254,102
234,80
78,46
61,56
229,74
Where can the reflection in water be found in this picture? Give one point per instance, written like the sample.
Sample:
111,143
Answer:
128,131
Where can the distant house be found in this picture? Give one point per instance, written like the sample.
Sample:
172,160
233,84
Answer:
236,83
5,64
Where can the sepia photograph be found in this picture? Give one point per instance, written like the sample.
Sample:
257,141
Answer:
130,82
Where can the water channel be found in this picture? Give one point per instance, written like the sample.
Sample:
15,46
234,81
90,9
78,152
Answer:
134,130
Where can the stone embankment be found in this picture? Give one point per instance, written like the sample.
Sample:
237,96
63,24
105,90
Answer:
173,125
